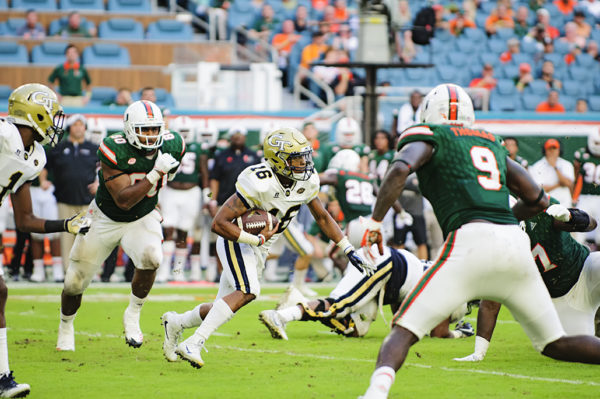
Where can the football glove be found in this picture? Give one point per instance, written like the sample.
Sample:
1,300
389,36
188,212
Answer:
165,163
78,223
403,219
363,266
372,236
559,212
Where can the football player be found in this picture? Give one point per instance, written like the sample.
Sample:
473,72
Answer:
280,186
96,130
35,118
569,270
348,135
135,164
587,178
466,175
180,203
352,305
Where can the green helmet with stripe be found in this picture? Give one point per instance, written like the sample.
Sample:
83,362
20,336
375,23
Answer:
139,115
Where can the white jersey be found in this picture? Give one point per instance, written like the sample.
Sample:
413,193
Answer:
17,165
258,187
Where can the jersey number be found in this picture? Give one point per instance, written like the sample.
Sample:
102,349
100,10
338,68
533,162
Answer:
262,171
380,168
484,160
188,164
359,192
592,173
287,218
12,180
540,255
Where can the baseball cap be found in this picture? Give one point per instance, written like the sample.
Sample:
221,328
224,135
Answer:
237,129
579,13
524,67
551,143
543,11
74,118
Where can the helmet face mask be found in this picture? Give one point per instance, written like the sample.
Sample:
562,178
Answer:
96,131
185,127
348,132
140,119
448,104
593,142
289,154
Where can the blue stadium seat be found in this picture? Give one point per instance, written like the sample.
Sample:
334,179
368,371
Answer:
236,19
572,88
446,74
13,53
487,7
420,76
508,71
489,58
585,60
480,19
4,94
475,34
12,25
443,35
499,102
38,5
529,47
3,5
538,86
106,54
2,28
505,33
439,58
519,58
101,94
440,46
170,30
596,35
49,53
506,87
496,45
561,47
531,101
459,60
82,4
579,74
465,45
119,28
594,103
129,6
568,102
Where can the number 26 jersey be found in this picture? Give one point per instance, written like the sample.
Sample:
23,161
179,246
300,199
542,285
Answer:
258,187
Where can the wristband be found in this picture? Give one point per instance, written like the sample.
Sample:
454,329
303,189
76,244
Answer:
153,176
250,239
344,245
55,226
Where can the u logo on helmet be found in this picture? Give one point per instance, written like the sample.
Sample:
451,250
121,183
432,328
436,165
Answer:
280,143
41,98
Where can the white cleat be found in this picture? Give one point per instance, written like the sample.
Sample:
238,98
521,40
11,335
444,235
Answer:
195,275
189,351
291,297
173,332
66,336
38,277
178,276
271,319
131,325
9,388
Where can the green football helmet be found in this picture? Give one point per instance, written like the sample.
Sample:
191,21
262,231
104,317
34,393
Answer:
36,106
282,146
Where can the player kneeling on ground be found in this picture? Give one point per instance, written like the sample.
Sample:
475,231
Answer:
279,186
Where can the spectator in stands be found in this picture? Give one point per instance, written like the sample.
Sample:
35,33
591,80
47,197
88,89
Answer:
525,77
571,56
345,40
148,94
345,81
440,21
409,113
75,28
547,75
543,17
264,24
341,12
593,7
487,79
283,43
301,22
313,50
536,4
69,79
309,130
592,50
219,11
513,45
122,99
571,35
512,145
405,47
551,104
401,15
289,5
565,6
329,19
583,28
460,23
555,174
31,29
548,46
521,24
319,5
499,18
581,106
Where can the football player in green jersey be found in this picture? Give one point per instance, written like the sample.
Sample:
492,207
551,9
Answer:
135,164
348,135
382,154
571,274
587,178
466,175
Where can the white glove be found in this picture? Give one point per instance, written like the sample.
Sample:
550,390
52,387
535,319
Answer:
165,162
403,219
372,236
559,212
473,357
206,193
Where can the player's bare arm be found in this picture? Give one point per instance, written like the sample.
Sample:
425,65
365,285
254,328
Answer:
325,221
203,167
118,183
25,220
328,179
231,209
532,199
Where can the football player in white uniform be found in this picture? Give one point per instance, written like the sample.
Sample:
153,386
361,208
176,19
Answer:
35,118
279,186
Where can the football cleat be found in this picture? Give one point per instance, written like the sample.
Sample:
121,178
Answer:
189,351
66,336
9,388
173,332
465,328
131,325
271,319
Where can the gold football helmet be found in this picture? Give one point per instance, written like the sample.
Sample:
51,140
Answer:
36,106
289,153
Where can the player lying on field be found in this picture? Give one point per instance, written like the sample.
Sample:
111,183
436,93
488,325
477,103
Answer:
352,305
570,271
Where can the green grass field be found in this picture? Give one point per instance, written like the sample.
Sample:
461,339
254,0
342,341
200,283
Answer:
245,362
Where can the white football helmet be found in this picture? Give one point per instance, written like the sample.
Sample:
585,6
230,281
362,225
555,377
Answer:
345,160
593,142
348,132
185,127
357,233
96,131
266,129
207,132
448,104
139,115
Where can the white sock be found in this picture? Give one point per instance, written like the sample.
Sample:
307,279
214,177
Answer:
168,250
4,368
135,303
217,316
290,314
195,263
67,319
180,259
381,381
38,267
57,268
299,277
191,318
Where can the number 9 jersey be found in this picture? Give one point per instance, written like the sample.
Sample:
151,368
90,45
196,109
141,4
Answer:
258,187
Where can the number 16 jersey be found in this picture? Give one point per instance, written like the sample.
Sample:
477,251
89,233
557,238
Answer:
465,178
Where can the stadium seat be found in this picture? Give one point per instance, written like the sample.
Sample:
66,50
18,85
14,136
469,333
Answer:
594,103
505,33
487,7
508,71
596,35
556,59
499,102
12,25
529,47
496,45
568,102
38,5
538,86
480,19
519,58
13,53
531,101
443,35
49,53
119,28
459,60
561,47
571,88
440,46
2,28
465,46
164,99
101,95
475,34
236,19
5,91
3,5
489,58
446,74
585,60
129,6
506,87
420,76
170,30
81,4
106,54
579,74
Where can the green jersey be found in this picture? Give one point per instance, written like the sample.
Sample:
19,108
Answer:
465,179
378,163
329,150
189,170
116,152
589,171
558,256
354,192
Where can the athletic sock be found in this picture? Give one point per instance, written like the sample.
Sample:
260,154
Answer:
381,382
290,314
4,367
38,269
179,265
195,269
57,268
299,277
165,267
219,314
191,318
135,303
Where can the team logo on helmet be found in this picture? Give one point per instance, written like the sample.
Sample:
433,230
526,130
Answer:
41,98
277,140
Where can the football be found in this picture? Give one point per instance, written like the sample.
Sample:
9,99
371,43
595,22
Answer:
255,220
